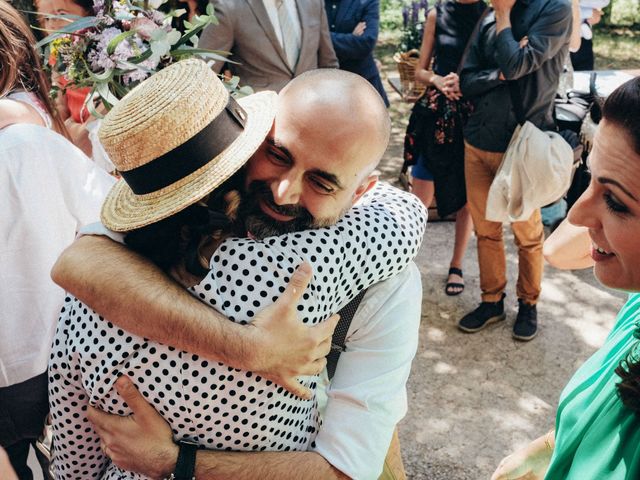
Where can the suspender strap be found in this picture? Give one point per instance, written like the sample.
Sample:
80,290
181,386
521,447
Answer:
340,333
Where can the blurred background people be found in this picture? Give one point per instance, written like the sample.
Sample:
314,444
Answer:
70,100
597,429
438,118
520,45
48,189
590,14
354,32
271,41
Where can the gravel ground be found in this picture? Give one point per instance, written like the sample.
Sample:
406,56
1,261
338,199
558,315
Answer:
474,398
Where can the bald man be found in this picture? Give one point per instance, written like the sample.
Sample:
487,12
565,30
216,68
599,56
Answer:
330,131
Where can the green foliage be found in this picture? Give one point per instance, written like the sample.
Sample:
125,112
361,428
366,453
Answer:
391,15
624,12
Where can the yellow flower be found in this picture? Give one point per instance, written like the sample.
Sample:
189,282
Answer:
56,45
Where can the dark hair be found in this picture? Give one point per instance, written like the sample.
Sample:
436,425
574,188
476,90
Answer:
179,237
622,108
20,64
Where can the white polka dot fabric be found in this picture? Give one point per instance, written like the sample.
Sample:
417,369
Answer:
215,405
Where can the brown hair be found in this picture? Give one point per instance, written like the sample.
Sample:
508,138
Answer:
20,63
622,108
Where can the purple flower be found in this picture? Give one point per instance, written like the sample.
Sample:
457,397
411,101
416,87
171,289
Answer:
405,16
415,10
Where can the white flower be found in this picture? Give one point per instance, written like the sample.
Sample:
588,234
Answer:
162,41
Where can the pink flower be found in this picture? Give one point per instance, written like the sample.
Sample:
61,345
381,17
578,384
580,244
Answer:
144,26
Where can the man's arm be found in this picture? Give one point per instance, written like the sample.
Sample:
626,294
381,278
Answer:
475,77
106,276
326,54
546,37
367,394
219,36
350,46
143,443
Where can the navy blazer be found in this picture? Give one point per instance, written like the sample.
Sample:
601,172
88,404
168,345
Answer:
355,53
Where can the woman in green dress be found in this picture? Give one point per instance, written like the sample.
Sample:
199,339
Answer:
597,431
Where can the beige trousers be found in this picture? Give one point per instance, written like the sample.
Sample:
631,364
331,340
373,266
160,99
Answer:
480,169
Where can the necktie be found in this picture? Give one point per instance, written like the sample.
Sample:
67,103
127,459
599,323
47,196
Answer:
290,40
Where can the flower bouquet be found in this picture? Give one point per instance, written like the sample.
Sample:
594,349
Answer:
124,42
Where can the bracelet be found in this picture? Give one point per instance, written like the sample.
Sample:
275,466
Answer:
547,443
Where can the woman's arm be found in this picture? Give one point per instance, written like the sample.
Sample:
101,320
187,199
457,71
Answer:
576,21
424,74
568,247
530,462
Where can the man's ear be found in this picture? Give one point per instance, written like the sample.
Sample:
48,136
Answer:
366,185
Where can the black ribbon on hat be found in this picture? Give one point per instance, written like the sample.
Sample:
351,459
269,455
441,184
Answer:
191,155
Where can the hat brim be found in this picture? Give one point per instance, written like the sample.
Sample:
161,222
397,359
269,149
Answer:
123,210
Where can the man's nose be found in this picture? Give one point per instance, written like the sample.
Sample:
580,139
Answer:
286,190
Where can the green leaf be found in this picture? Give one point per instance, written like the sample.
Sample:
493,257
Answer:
201,52
105,93
81,23
91,101
142,57
115,41
100,77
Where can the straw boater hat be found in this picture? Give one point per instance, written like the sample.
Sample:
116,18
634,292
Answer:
176,137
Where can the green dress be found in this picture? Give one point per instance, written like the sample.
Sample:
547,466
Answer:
597,437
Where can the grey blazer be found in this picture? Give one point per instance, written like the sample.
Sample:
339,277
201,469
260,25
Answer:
245,30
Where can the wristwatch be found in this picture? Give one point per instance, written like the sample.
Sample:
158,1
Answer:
186,463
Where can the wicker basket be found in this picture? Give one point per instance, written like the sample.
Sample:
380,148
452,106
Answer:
406,62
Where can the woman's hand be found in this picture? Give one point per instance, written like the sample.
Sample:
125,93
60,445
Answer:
528,463
449,85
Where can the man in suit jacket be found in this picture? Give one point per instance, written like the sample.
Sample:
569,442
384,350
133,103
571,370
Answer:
251,31
354,32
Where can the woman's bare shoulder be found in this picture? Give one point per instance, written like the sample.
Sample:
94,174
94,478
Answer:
12,112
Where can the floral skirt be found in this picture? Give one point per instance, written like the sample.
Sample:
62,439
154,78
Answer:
434,134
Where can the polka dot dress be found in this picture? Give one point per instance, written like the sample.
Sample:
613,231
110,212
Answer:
208,402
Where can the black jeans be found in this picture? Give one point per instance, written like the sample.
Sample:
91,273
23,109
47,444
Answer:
23,409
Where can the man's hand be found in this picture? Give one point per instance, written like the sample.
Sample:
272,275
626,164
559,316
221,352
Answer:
360,28
141,442
502,10
285,348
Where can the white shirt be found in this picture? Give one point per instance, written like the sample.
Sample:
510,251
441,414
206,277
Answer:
367,396
48,189
272,11
225,408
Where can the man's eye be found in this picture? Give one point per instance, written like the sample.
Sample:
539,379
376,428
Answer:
321,186
278,157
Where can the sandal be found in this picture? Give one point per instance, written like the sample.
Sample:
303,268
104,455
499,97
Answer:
451,288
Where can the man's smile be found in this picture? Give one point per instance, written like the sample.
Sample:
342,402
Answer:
271,212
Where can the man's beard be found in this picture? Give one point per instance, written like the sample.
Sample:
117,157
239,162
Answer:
260,225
